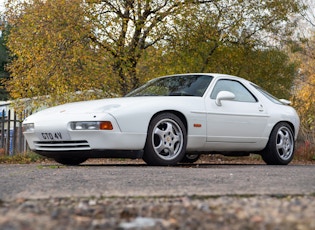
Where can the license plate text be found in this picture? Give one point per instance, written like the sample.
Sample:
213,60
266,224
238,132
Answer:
52,136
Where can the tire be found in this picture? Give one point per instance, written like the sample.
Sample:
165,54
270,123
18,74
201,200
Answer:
70,160
280,147
166,140
190,158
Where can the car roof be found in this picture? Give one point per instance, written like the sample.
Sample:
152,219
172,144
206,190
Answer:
215,75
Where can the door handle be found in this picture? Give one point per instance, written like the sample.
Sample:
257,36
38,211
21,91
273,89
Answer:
261,108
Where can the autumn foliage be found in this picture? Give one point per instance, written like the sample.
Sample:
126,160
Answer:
304,91
67,50
53,52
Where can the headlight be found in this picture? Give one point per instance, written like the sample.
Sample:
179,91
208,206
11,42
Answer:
91,125
28,127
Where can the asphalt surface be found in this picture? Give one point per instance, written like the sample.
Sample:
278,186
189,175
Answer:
41,181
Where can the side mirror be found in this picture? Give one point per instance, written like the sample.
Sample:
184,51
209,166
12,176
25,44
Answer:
224,95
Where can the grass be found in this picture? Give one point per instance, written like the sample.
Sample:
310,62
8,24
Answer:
23,158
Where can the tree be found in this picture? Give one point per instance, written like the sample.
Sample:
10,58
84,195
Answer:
304,93
127,28
236,37
52,51
57,43
4,59
308,13
118,30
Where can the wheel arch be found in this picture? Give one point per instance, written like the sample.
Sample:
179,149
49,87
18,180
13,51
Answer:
287,122
180,115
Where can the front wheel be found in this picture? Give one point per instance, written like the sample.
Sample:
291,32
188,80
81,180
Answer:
166,140
280,147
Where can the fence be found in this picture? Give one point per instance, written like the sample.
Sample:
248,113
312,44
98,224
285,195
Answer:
11,136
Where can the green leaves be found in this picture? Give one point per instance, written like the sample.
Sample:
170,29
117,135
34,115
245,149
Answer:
4,59
64,46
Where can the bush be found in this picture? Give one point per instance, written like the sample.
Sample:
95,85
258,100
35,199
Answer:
305,151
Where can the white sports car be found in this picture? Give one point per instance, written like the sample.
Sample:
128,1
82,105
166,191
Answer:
169,120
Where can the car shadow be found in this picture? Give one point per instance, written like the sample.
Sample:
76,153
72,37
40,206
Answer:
203,163
193,165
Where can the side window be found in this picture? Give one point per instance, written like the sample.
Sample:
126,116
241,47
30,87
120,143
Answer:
235,87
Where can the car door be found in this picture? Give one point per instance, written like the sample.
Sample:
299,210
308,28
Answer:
236,116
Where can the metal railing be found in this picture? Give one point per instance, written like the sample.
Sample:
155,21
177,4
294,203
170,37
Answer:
11,135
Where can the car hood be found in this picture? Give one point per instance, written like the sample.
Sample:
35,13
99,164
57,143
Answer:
83,107
88,107
113,106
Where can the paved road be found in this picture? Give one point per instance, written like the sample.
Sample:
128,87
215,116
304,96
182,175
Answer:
44,181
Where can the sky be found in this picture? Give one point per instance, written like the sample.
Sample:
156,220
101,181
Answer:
1,5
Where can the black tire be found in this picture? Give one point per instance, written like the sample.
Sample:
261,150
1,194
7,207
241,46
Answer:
70,160
166,140
190,158
280,147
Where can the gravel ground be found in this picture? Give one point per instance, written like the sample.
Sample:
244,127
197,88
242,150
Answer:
213,212
224,212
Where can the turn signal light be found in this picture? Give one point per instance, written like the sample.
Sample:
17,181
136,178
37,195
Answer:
106,125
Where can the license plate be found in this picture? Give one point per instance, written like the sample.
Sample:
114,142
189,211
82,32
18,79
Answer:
53,136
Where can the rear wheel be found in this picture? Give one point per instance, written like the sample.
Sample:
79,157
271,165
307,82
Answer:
280,147
190,158
166,140
70,160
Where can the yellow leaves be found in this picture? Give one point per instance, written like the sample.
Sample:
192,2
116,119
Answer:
304,96
53,53
63,46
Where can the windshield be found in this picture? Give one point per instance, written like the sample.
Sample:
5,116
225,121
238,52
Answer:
181,85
